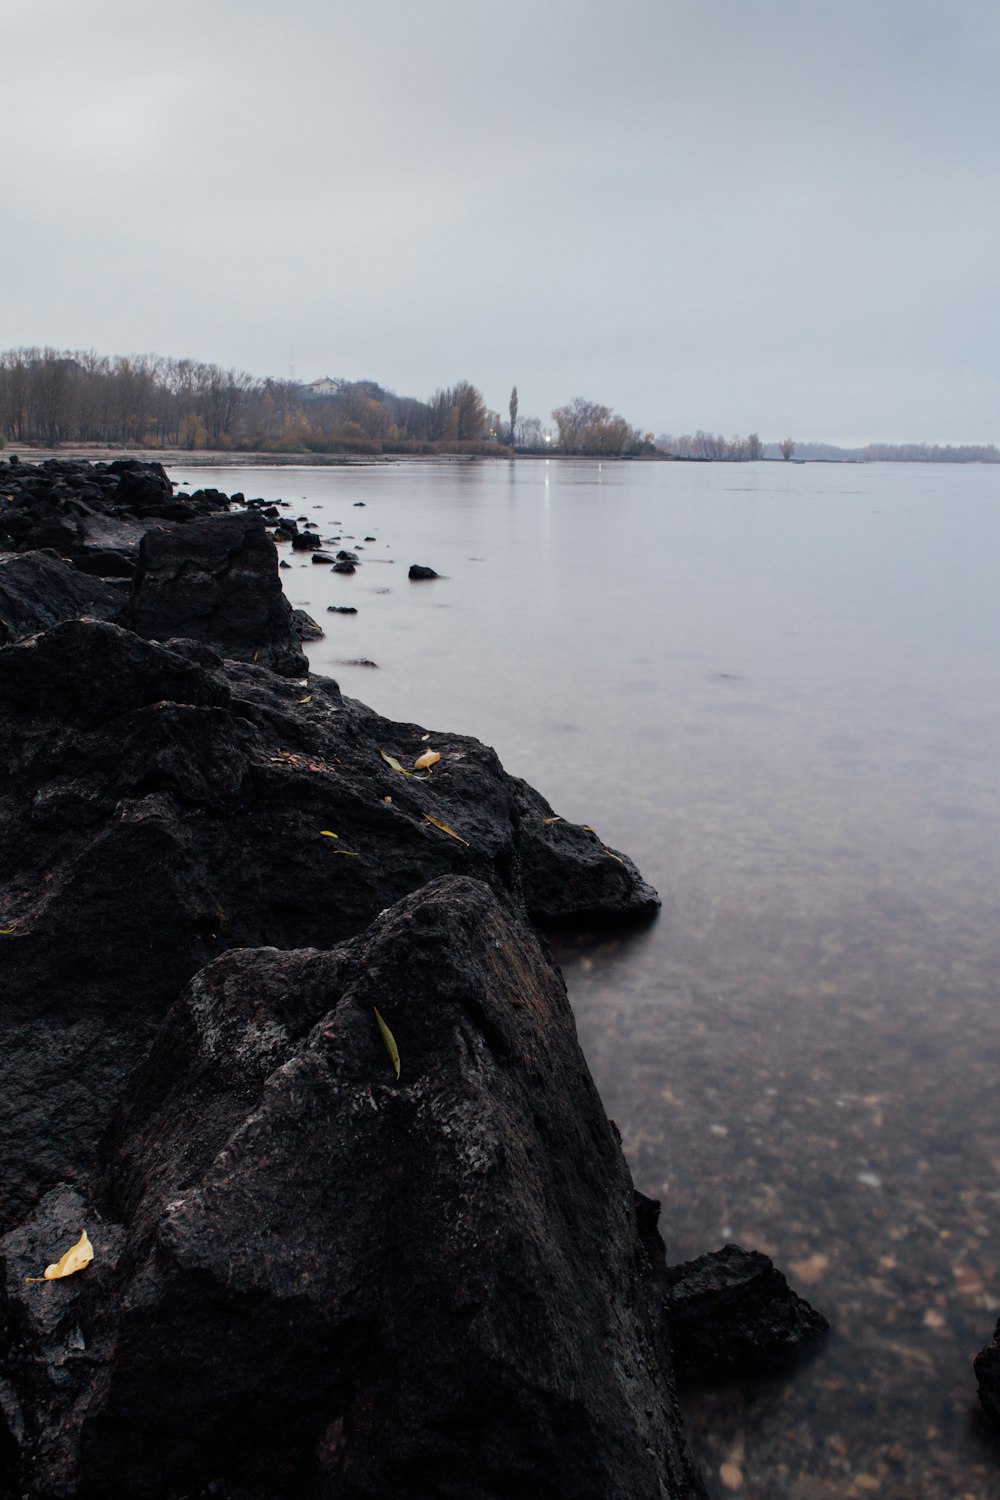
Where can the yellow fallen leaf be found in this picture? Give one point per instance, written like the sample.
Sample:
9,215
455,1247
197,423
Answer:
306,700
76,1257
613,856
445,829
391,760
551,820
389,1040
7,931
326,834
425,761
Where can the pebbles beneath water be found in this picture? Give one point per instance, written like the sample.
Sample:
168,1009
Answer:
851,1136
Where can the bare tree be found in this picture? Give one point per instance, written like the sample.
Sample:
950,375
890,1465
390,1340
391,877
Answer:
513,413
786,448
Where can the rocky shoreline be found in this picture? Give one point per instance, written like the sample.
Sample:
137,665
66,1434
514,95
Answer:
281,1032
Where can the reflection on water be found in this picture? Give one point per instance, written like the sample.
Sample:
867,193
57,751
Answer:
774,685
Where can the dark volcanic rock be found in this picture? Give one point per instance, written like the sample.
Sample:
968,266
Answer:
417,570
159,805
39,589
732,1314
78,508
216,580
987,1367
336,1284
305,627
305,541
145,490
570,875
54,1336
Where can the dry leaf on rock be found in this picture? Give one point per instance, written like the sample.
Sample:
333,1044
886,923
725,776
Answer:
389,1040
445,829
76,1257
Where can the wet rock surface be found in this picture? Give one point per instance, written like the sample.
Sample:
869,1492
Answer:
216,580
987,1368
111,540
335,1282
159,805
732,1315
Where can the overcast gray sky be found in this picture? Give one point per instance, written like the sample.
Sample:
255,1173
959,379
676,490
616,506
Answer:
777,216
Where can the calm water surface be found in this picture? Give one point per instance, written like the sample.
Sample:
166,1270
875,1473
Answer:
775,685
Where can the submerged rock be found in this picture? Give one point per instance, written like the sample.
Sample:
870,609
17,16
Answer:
417,570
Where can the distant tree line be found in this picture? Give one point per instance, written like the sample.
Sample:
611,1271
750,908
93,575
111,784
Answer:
50,397
711,445
586,427
899,453
923,453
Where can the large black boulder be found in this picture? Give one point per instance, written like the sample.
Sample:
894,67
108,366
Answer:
337,1283
216,580
159,805
39,589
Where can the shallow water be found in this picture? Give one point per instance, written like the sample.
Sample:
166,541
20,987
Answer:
775,686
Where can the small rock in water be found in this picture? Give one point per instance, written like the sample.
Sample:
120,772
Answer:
417,570
731,1313
341,609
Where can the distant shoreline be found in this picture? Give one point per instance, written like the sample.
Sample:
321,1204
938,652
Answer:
212,458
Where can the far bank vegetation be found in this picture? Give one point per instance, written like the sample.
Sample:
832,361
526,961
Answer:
50,397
